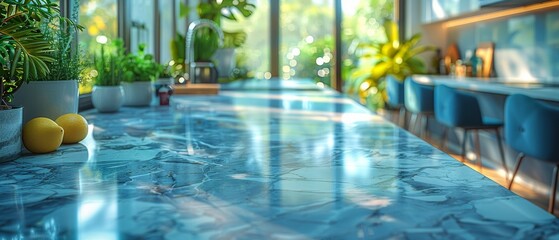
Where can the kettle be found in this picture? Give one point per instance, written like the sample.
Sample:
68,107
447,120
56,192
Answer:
203,72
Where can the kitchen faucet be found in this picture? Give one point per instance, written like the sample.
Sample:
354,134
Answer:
196,24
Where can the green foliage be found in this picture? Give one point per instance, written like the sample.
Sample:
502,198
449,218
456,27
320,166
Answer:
389,57
205,44
109,64
24,51
61,33
178,50
165,71
140,67
307,66
212,10
234,39
205,40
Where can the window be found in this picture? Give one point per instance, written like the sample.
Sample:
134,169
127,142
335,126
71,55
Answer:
166,29
362,25
253,57
142,26
307,42
306,45
99,17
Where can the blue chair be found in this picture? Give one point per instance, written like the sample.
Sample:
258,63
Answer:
532,129
395,92
418,99
458,109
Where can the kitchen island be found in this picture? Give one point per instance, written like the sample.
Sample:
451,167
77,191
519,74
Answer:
547,90
260,163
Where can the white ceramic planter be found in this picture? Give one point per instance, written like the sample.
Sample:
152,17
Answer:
137,94
49,99
224,59
10,133
107,99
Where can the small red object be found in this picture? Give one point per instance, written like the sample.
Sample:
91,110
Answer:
164,93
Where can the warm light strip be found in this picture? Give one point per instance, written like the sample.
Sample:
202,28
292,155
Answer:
499,14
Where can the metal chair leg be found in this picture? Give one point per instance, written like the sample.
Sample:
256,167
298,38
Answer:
465,138
402,117
553,190
418,124
426,126
478,150
413,123
444,138
502,152
519,159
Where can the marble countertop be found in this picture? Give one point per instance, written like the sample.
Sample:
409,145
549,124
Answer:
548,91
256,165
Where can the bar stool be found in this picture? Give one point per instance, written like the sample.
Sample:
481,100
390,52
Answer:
532,129
458,109
418,99
395,92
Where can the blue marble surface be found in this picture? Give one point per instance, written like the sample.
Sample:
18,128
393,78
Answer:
256,165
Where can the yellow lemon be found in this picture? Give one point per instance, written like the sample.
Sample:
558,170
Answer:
42,135
75,127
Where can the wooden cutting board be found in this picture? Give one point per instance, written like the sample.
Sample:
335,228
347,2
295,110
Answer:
197,88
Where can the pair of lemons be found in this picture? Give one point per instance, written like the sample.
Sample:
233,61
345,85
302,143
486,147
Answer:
43,135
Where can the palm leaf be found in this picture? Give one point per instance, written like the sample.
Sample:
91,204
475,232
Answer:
391,31
34,48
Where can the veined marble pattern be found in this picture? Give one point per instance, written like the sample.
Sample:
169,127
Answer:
256,165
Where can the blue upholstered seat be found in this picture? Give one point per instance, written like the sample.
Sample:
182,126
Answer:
459,109
418,99
532,128
395,92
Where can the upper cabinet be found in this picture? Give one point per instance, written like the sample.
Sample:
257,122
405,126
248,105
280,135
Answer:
438,10
441,10
507,3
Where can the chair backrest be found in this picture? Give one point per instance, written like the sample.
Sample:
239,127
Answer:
395,91
456,108
532,127
418,98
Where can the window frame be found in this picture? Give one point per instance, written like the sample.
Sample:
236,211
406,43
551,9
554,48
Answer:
124,19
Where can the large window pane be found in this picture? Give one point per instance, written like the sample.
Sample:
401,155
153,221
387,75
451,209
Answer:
361,26
142,25
166,29
99,17
307,41
253,57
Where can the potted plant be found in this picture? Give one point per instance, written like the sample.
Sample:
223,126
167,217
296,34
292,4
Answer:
107,95
140,71
206,41
56,93
24,53
394,57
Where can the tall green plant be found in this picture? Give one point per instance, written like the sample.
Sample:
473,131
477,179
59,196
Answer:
110,64
24,51
393,57
61,34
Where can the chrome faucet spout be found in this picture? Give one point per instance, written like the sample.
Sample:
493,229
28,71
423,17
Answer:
197,24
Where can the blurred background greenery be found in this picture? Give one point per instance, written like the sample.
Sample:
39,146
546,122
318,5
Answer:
306,37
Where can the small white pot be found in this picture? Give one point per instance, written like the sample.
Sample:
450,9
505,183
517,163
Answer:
107,99
224,59
10,133
137,94
49,99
